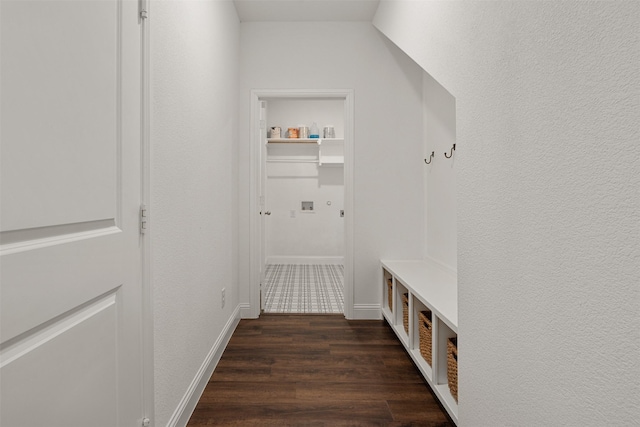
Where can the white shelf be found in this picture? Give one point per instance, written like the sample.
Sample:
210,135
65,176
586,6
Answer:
328,151
424,367
331,152
433,287
303,140
331,161
292,140
443,393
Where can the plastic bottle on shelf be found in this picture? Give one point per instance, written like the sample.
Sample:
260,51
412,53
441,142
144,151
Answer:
314,131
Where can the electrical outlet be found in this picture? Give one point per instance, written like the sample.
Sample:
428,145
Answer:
223,296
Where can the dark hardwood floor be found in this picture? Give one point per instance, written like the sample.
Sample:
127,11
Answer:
308,370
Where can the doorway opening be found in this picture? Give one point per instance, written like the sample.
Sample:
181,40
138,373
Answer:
302,191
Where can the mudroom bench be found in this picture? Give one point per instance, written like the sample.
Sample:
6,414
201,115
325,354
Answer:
420,302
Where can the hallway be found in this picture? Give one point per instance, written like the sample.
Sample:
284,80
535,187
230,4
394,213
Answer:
316,370
497,139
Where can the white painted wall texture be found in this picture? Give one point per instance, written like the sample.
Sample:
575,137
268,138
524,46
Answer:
306,237
548,161
194,67
388,170
440,175
294,112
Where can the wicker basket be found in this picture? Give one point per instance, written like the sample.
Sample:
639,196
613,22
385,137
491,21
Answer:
390,293
452,366
425,335
405,312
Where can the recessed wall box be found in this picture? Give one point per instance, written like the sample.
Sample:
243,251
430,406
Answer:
307,206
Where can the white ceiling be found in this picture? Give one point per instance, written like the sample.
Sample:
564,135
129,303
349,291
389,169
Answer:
306,10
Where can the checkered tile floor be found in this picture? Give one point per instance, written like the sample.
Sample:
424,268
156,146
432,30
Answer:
303,288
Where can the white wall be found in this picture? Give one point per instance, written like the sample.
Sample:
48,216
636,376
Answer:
440,175
548,177
194,66
294,112
293,235
310,237
388,217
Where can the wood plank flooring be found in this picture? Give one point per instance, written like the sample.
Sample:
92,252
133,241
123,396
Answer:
316,370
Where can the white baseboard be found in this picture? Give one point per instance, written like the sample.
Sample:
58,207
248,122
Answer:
245,311
188,403
314,260
367,312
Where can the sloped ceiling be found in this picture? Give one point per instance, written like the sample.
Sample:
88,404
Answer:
306,10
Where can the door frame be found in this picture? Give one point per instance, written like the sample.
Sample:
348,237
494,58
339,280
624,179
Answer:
257,163
148,372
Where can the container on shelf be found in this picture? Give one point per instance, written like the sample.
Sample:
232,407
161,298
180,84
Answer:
314,133
405,312
303,131
276,132
293,132
426,330
329,131
452,366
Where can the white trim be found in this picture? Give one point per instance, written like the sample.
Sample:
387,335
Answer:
190,399
245,311
39,338
148,359
311,260
34,244
254,225
349,160
254,207
367,312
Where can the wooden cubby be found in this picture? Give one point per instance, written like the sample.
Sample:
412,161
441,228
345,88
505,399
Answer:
429,287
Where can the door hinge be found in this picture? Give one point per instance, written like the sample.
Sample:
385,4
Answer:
144,11
143,218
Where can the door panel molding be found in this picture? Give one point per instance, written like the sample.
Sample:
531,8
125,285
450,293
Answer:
62,125
91,337
19,346
33,238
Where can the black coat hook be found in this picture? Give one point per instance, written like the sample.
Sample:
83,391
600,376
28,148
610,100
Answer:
433,153
451,152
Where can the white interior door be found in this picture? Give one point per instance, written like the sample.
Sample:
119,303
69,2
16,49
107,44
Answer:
70,249
264,213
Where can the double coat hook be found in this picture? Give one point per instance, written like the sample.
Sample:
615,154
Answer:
450,152
433,153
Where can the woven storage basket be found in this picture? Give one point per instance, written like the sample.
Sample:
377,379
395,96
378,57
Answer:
452,366
425,335
390,293
405,312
